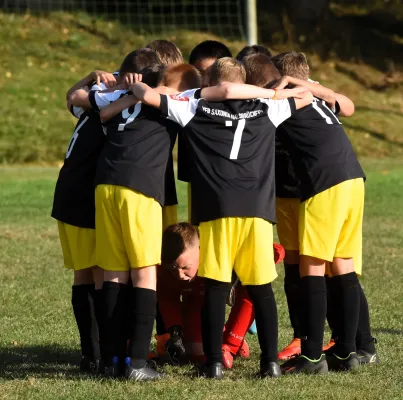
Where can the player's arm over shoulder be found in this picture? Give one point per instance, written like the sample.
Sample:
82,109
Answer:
240,91
345,105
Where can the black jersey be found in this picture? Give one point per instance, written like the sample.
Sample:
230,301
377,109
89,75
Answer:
320,149
287,182
184,157
138,149
74,201
232,146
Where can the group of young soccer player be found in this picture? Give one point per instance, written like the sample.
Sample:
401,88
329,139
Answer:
259,143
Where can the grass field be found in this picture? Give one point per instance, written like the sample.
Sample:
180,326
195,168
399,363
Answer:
39,346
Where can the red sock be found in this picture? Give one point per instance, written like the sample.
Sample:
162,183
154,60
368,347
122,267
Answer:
241,317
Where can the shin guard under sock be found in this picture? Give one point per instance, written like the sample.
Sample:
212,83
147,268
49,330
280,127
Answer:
143,306
114,308
347,296
332,313
313,299
239,320
265,306
98,308
159,322
82,300
213,318
292,293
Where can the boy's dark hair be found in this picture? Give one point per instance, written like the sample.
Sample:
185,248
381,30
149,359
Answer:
168,52
175,239
255,49
227,69
138,60
260,71
153,74
292,64
209,49
182,77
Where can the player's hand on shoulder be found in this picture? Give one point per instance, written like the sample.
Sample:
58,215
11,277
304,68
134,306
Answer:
104,77
283,82
132,78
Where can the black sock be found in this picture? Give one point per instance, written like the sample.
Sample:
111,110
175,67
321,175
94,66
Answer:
292,293
115,297
143,305
313,299
83,307
347,296
332,313
160,327
263,300
98,308
364,340
213,318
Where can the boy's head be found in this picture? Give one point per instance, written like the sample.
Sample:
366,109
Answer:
260,71
255,49
204,55
181,77
180,250
167,52
138,60
227,69
153,74
292,64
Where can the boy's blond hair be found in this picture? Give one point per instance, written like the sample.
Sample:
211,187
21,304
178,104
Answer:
292,64
181,77
168,52
260,70
227,69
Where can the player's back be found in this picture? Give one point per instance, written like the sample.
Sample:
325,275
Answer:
74,194
320,149
137,150
232,145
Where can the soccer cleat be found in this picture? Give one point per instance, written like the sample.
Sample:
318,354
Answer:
89,365
227,357
291,350
252,329
288,364
243,351
146,373
304,365
270,370
112,371
337,363
331,343
212,371
365,357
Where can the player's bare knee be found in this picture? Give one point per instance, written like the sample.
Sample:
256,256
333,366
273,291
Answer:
342,266
145,277
83,277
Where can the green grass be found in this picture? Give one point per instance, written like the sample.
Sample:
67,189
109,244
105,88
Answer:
41,57
39,346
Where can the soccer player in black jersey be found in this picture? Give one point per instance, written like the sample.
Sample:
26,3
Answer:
74,209
295,64
233,191
129,193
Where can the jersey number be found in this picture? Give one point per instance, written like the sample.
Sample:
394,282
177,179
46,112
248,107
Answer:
129,117
237,138
75,137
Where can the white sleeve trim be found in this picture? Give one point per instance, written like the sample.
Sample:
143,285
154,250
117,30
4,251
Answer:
104,99
182,107
278,110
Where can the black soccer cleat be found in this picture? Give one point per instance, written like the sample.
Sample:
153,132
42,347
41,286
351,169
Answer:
304,365
111,370
338,364
213,371
89,365
270,370
365,357
146,373
288,364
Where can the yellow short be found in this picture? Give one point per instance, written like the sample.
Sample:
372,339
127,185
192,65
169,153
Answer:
330,223
244,245
169,216
287,211
128,228
78,246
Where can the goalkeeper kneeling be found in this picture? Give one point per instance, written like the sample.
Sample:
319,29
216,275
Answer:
180,295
